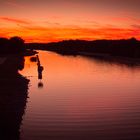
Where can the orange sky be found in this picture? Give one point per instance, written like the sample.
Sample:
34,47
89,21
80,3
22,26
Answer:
55,20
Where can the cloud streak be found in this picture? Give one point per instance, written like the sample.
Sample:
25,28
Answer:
13,3
15,20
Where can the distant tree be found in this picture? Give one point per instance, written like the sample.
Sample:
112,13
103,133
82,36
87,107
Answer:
133,39
17,44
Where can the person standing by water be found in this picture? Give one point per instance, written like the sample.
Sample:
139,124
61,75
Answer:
40,69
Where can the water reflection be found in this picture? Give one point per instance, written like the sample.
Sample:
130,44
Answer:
40,85
120,61
13,97
86,99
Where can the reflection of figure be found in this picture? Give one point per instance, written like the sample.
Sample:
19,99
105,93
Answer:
12,97
40,85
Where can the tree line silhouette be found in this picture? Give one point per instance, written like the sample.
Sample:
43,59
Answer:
123,47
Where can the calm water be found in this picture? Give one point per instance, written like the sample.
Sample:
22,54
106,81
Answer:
82,99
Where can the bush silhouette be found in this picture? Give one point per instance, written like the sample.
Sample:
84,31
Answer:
17,44
12,45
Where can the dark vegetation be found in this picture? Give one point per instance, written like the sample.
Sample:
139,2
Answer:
13,97
14,45
13,86
124,48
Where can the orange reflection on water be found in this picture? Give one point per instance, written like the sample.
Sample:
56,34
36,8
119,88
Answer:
81,95
86,77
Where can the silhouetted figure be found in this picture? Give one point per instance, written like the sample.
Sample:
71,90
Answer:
39,69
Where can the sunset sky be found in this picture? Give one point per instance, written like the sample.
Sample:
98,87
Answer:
55,20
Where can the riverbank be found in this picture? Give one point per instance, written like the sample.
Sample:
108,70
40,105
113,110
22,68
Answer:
13,95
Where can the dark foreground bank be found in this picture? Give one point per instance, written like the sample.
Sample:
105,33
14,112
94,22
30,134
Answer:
13,96
13,87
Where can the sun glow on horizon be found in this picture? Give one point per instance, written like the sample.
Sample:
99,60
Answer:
52,21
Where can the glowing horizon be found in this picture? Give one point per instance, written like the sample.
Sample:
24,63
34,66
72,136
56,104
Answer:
51,21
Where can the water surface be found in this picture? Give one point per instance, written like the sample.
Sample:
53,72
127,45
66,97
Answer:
81,98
